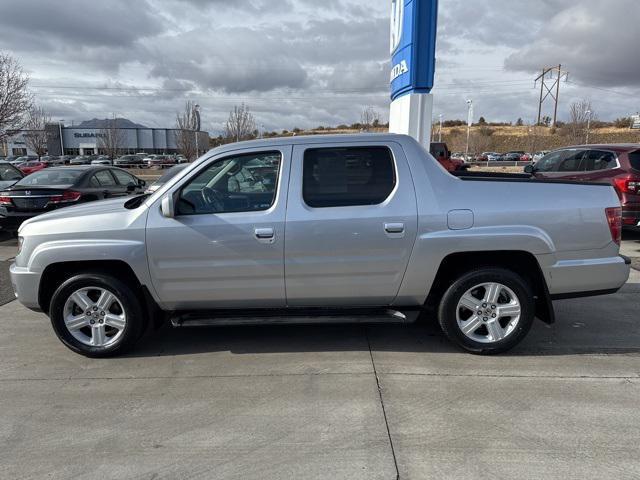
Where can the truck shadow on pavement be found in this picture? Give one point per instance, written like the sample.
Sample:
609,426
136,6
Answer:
597,326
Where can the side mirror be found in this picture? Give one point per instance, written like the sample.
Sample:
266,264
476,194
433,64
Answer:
142,183
529,169
168,207
131,187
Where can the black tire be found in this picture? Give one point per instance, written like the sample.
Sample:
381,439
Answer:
447,311
135,318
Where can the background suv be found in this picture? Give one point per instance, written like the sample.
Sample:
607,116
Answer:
615,164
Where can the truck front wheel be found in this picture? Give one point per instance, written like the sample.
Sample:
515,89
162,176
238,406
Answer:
488,310
96,315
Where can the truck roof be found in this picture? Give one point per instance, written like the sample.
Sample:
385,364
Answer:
311,139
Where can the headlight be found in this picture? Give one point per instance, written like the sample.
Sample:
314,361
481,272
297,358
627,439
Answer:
20,242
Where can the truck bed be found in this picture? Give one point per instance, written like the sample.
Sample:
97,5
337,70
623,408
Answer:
516,177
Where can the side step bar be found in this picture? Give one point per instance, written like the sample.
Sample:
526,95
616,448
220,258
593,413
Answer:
292,317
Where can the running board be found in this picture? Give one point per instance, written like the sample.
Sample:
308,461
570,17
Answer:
292,317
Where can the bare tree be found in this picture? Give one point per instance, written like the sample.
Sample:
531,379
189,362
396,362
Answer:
580,114
36,137
241,124
369,118
15,99
111,137
187,125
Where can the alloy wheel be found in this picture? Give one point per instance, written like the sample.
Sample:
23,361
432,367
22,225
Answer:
94,316
488,313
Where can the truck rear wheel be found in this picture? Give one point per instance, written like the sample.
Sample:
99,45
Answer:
487,311
96,315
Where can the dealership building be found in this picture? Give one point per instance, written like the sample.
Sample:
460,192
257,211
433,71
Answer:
63,140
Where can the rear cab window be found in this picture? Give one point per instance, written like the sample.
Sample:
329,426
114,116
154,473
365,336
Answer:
349,176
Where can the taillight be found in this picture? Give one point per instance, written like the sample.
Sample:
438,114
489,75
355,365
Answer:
5,200
66,197
614,218
628,184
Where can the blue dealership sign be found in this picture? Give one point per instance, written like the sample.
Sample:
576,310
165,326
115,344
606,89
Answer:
414,25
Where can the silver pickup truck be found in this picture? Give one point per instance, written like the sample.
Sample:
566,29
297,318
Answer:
364,228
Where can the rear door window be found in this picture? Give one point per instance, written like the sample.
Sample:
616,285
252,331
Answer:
352,176
105,179
124,178
550,162
572,162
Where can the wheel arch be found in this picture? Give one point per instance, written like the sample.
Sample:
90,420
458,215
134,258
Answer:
57,273
521,262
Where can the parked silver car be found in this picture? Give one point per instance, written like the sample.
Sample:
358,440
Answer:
362,228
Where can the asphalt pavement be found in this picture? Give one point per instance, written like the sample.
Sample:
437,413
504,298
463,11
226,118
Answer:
331,402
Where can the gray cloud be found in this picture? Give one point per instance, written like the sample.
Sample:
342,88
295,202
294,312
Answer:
597,41
77,22
307,63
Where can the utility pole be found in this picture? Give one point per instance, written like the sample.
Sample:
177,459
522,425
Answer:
546,84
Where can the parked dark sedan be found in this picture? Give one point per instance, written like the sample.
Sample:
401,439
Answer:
58,187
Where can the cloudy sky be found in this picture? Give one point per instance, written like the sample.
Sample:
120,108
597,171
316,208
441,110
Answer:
306,63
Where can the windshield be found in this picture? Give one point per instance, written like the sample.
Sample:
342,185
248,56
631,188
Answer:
7,173
51,177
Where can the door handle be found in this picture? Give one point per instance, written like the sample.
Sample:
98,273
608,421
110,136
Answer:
394,227
264,233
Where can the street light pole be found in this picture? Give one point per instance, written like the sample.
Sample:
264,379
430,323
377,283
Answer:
440,130
588,125
469,123
197,109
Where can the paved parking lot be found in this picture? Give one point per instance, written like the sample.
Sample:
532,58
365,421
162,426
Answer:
327,402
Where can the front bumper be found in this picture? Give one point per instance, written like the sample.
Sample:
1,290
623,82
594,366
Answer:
582,278
25,285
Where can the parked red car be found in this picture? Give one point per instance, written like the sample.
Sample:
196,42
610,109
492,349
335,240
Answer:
29,167
616,164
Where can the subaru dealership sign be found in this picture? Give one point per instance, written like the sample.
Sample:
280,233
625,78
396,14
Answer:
413,46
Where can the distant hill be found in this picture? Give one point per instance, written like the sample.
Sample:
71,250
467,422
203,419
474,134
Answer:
98,123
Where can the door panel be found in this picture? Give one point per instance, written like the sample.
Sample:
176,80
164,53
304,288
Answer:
348,255
222,260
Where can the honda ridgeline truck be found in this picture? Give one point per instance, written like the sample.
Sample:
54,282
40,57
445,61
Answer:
361,228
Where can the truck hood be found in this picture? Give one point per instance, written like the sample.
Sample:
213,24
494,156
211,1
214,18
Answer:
93,216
